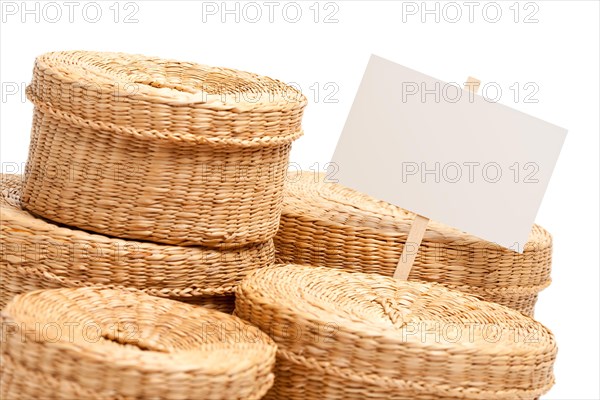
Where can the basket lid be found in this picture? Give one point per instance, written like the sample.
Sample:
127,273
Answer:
150,97
420,335
111,340
130,328
170,81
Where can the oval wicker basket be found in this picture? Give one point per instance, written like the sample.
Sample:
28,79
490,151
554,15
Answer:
37,254
327,224
343,335
90,343
145,148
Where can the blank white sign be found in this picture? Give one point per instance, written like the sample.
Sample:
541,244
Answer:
445,153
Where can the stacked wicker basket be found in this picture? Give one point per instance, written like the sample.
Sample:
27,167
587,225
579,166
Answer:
38,254
347,335
89,343
177,167
327,224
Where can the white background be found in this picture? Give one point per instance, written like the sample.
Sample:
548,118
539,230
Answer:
558,54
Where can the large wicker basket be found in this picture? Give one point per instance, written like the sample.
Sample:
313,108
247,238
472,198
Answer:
173,152
327,224
37,254
90,343
343,335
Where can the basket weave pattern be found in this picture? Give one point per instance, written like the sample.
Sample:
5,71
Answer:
37,254
327,224
355,336
145,148
108,344
152,180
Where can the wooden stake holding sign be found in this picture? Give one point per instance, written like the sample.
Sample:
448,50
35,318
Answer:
419,224
415,237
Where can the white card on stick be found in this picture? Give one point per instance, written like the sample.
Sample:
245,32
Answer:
446,153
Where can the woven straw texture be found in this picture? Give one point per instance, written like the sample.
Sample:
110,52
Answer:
327,224
90,343
145,148
37,254
343,335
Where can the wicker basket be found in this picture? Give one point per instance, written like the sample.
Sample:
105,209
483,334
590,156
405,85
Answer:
118,344
344,335
330,225
173,152
37,254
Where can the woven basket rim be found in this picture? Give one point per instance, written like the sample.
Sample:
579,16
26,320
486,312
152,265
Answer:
398,384
469,289
164,135
308,195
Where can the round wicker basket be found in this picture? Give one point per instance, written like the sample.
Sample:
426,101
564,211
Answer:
145,148
90,343
37,254
327,224
343,335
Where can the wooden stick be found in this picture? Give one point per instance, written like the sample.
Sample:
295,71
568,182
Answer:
411,247
419,224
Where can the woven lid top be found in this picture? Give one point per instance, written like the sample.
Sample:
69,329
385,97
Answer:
122,328
170,81
379,306
151,98
411,332
313,196
159,269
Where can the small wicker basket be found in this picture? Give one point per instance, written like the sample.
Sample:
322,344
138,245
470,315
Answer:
37,254
327,224
343,335
173,152
90,343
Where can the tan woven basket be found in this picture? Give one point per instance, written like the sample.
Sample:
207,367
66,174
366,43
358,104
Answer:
173,152
327,224
344,335
37,254
90,343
